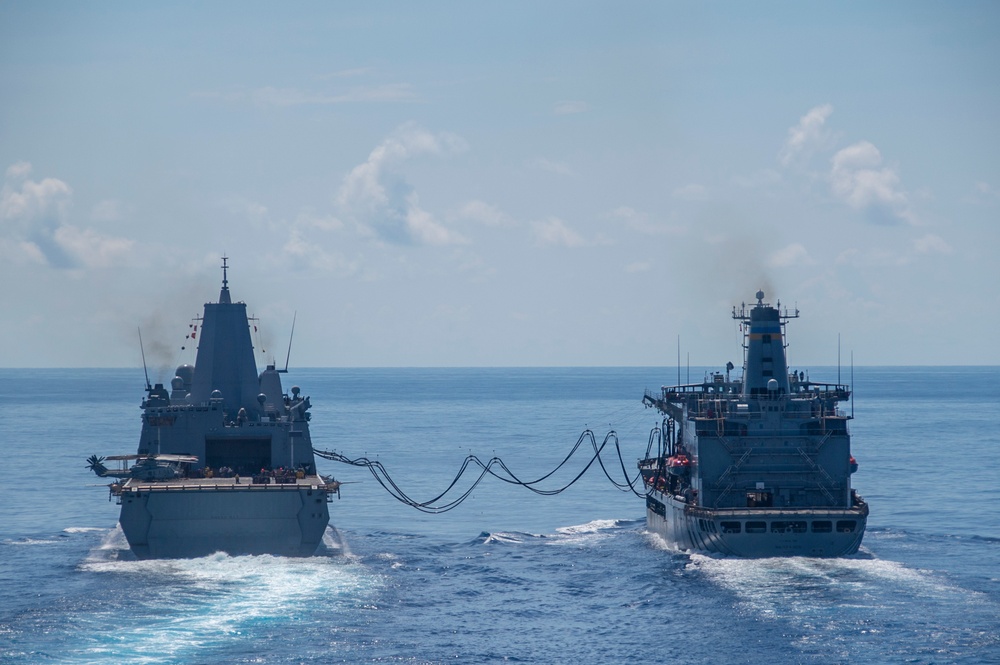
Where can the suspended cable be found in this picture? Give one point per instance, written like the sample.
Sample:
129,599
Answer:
497,468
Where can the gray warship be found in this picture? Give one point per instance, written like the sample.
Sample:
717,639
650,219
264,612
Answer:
757,466
225,461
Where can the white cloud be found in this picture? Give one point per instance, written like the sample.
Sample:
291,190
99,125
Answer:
484,213
424,228
46,200
33,223
641,222
570,107
764,178
858,178
554,231
253,211
309,219
91,248
984,193
18,171
108,210
932,244
901,255
794,255
638,266
809,134
20,252
544,164
691,192
301,252
377,197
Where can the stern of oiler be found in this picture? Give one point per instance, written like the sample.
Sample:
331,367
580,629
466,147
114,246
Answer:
225,459
758,465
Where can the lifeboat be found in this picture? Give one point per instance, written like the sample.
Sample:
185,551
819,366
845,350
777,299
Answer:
853,464
678,465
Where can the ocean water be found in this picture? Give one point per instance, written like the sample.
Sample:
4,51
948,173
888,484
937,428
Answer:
508,575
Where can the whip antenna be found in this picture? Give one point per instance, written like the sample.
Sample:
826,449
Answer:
290,336
143,352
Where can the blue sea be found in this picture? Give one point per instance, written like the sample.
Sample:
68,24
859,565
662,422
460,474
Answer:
508,575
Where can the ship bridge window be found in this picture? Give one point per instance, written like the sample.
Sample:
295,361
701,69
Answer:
846,526
788,526
730,527
756,527
822,526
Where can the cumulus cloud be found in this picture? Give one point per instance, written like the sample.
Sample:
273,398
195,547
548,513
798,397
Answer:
18,171
791,256
376,196
856,175
33,223
808,135
858,178
90,248
484,213
554,231
309,219
300,252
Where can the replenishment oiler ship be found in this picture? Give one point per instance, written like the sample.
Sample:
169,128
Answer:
758,466
225,462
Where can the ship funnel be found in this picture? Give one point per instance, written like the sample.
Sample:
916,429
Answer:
765,370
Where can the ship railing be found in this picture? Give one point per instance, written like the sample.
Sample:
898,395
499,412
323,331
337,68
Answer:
242,484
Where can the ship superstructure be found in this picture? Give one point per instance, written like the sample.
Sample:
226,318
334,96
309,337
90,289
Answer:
225,461
756,466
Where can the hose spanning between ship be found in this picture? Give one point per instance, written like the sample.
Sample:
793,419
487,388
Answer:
441,504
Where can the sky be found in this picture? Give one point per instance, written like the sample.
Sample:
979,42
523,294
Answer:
500,184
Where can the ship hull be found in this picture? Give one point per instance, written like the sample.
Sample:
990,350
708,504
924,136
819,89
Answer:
756,532
165,521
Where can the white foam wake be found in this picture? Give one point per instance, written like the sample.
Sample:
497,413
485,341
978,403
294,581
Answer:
181,606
